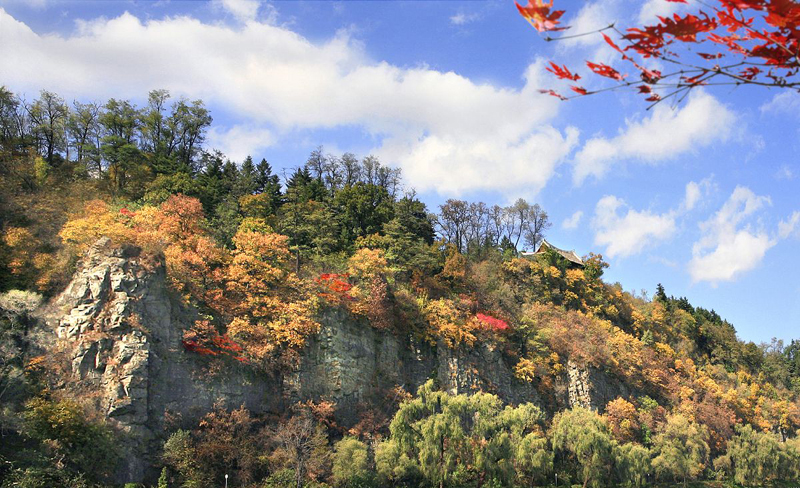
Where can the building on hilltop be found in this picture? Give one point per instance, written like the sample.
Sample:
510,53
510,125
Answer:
545,246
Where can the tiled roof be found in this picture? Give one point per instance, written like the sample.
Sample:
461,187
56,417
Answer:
568,255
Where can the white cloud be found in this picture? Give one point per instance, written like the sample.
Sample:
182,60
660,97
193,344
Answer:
730,245
785,102
627,233
243,10
788,227
693,195
462,18
652,9
695,192
666,134
591,17
448,133
239,141
573,221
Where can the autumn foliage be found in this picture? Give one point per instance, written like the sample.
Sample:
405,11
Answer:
724,42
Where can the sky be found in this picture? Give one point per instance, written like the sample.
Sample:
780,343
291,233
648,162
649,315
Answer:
701,196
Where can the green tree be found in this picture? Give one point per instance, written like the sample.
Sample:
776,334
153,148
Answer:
632,463
186,126
755,456
455,439
163,479
350,462
681,449
310,225
268,183
48,116
84,446
83,127
362,210
581,436
180,455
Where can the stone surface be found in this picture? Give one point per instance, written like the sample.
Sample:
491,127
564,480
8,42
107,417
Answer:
592,388
123,328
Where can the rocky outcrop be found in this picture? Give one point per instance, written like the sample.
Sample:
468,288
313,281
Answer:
122,329
592,388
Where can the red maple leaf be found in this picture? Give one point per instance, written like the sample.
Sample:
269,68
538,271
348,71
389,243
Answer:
562,72
540,16
553,93
605,70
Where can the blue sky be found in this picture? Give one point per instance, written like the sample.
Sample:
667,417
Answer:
702,197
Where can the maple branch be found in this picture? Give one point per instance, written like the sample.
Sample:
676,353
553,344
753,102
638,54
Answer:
574,36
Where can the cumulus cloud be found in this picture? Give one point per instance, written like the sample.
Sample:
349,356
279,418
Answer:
652,9
591,17
243,10
573,221
786,102
239,141
730,244
447,132
625,231
664,135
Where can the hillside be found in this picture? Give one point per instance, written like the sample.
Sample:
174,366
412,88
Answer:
170,316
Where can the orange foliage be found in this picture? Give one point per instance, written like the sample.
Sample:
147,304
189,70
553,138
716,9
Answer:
273,309
623,420
97,220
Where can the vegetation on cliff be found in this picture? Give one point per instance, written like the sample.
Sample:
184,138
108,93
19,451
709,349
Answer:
260,258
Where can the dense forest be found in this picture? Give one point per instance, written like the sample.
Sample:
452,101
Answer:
262,255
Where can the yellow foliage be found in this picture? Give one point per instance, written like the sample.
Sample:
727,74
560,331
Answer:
525,370
367,264
455,265
449,323
97,220
22,245
664,350
575,277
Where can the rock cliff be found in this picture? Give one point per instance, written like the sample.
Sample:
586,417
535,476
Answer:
122,328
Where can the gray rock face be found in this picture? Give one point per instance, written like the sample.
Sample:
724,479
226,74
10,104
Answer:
123,329
592,388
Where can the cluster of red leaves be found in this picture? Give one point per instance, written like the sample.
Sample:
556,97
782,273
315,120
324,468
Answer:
763,34
334,287
492,323
204,340
127,213
541,16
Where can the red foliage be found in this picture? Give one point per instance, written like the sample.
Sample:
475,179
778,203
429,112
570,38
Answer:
539,14
203,339
605,70
562,72
334,287
763,35
492,323
552,93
